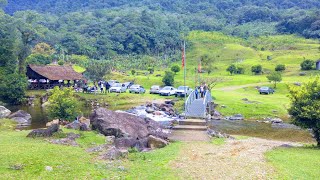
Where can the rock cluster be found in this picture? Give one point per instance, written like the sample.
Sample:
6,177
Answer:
235,117
21,117
129,130
44,132
217,134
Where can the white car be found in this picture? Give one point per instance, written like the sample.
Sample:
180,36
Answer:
167,91
118,88
183,91
112,82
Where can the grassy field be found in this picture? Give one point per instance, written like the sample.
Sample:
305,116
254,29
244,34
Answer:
26,158
295,163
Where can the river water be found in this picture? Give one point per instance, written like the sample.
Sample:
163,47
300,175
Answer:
246,128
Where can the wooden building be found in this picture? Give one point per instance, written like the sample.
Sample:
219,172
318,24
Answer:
49,76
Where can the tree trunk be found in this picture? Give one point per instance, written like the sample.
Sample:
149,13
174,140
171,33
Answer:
316,135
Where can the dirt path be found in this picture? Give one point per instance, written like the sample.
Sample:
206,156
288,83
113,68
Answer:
237,159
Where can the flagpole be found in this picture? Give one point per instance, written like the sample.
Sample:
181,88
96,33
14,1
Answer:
184,78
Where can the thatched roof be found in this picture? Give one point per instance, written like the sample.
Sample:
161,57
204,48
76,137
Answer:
55,72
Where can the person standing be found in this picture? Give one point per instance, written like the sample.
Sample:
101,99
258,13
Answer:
205,88
201,91
101,87
196,92
107,87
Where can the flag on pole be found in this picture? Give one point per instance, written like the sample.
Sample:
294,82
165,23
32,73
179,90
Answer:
199,67
183,58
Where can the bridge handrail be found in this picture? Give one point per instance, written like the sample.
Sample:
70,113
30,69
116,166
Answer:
207,99
189,100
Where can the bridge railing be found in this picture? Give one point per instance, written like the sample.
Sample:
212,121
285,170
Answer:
207,100
189,100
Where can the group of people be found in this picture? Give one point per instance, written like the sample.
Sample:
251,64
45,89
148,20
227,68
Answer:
102,85
201,90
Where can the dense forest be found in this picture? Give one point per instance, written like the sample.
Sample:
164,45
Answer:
105,28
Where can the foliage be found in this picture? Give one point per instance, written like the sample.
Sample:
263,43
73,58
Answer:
7,125
280,67
151,70
61,62
307,64
13,88
274,77
96,70
168,78
43,48
38,59
133,72
175,68
63,105
305,104
232,69
257,69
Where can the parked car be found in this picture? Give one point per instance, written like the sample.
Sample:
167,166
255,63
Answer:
183,91
112,82
136,89
118,88
167,91
266,90
155,89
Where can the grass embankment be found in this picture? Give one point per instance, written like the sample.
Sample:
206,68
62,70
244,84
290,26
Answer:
295,163
27,158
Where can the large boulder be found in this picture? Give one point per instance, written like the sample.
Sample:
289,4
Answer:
4,112
129,130
44,132
155,142
21,117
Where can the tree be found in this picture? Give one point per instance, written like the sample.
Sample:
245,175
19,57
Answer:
175,68
232,69
307,64
305,105
38,59
275,77
168,78
257,69
280,67
133,72
43,48
63,105
12,88
96,70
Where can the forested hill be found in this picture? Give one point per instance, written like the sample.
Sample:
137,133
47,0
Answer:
103,28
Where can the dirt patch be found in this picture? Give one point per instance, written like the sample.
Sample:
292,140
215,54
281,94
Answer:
237,159
189,136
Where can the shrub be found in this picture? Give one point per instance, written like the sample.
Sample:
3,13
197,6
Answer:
269,58
240,70
280,67
61,62
305,106
307,64
63,105
175,68
151,70
13,88
232,69
133,72
257,69
168,78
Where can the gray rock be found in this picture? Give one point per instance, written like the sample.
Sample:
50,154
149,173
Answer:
73,125
276,120
154,142
217,134
114,153
44,132
48,168
150,110
110,139
21,117
236,117
297,83
4,112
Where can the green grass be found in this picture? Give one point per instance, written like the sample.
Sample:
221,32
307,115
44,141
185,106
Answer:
295,163
79,69
32,155
218,141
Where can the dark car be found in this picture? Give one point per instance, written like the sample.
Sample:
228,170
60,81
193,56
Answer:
266,90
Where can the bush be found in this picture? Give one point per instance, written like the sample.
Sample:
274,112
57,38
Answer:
38,59
240,70
257,69
175,68
280,67
61,62
133,72
307,65
63,105
151,70
13,88
168,78
232,69
305,105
